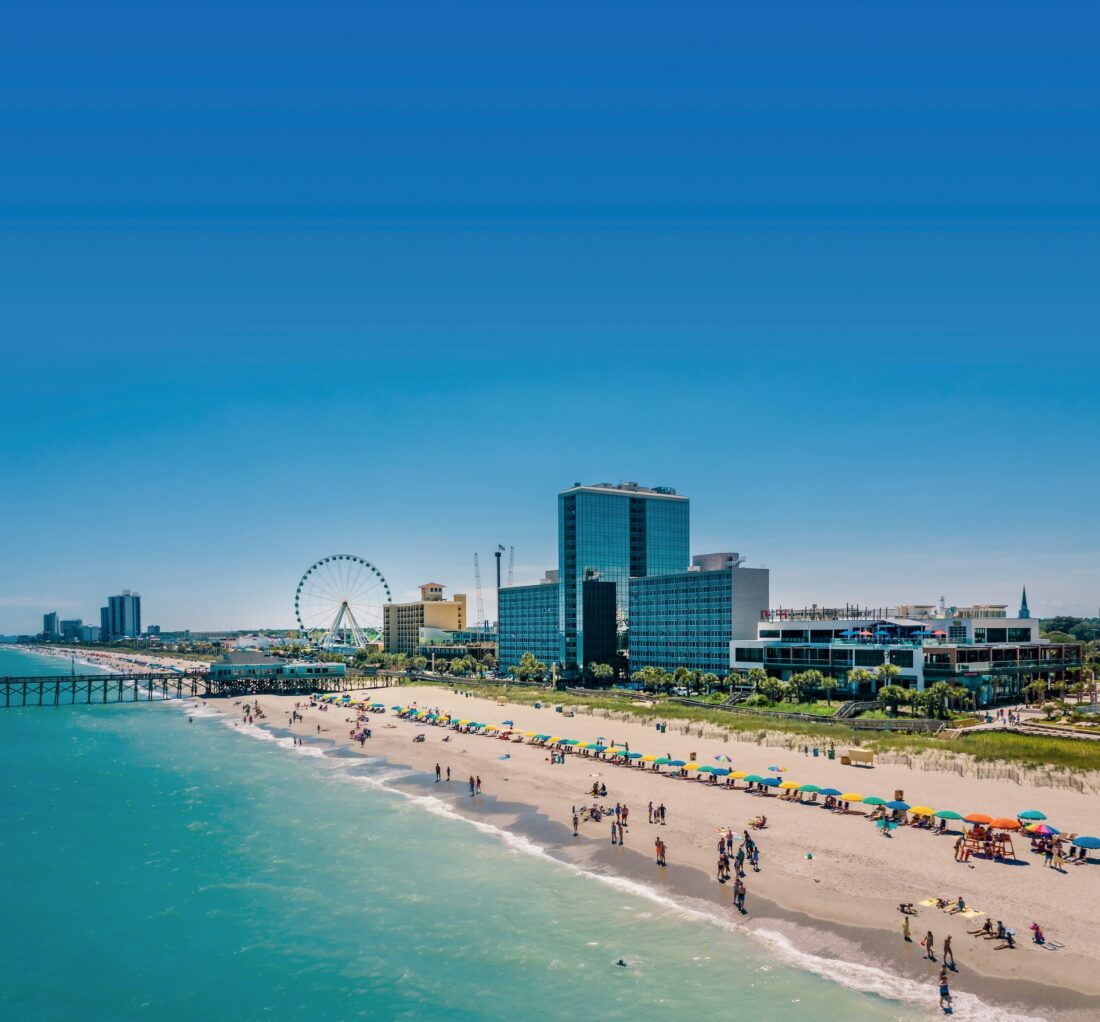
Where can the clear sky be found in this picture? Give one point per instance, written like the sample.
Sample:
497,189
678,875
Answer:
278,281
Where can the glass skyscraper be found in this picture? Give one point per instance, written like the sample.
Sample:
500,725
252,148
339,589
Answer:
528,623
612,532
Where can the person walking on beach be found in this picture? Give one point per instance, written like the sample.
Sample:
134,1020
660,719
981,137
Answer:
929,946
661,813
626,813
651,812
438,773
622,836
945,992
948,954
905,930
959,842
740,861
479,784
661,849
448,775
576,822
739,895
614,833
755,857
471,787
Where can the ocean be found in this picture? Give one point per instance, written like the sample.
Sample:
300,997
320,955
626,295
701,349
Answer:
163,870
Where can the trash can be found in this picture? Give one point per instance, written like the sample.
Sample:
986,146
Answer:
832,754
538,706
557,709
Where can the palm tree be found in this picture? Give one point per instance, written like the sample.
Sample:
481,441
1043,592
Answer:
892,696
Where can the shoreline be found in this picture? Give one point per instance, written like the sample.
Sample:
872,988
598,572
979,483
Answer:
821,934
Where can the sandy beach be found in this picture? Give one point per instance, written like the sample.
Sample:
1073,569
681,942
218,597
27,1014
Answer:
829,883
119,663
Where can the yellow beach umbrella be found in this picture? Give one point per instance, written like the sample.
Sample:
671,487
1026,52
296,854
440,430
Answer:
851,796
551,741
738,775
529,734
463,723
650,759
788,785
691,766
922,811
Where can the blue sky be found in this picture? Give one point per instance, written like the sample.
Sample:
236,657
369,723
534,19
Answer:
278,281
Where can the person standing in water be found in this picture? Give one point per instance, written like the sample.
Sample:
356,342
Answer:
438,773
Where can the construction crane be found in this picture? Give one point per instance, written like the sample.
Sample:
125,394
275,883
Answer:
477,590
511,562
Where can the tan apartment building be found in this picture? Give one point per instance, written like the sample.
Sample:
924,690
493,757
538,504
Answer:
403,621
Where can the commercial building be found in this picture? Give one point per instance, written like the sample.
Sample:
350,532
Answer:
123,616
528,622
690,619
89,633
253,666
448,643
610,533
993,656
70,630
402,621
51,627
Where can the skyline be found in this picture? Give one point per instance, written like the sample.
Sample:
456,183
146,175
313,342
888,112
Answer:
827,272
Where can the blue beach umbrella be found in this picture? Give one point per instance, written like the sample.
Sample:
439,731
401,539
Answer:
830,791
676,762
1031,814
1091,843
771,782
901,806
633,755
721,771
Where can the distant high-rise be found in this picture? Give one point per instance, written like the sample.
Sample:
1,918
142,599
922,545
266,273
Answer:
51,627
612,532
70,630
123,616
1024,612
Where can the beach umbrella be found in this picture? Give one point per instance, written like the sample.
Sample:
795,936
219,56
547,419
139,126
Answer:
809,788
691,766
633,755
723,758
923,811
851,796
1087,842
789,786
1042,829
1031,814
830,791
898,806
707,769
874,800
949,814
650,759
675,762
553,741
1004,823
721,771
616,752
771,782
738,775
526,734
777,769
397,709
754,778
977,818
663,761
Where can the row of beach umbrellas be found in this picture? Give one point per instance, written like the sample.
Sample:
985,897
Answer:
1030,820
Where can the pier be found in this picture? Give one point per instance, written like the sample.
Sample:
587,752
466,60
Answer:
100,689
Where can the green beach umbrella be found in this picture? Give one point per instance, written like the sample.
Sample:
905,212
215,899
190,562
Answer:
874,800
707,769
663,761
811,788
754,779
949,814
1032,814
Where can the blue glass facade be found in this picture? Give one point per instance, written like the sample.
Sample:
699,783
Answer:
528,623
611,534
682,620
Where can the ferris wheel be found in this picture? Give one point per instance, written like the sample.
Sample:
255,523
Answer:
342,597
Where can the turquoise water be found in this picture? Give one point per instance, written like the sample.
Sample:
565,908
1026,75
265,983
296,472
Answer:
156,869
24,664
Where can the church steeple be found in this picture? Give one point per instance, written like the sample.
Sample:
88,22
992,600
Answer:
1024,612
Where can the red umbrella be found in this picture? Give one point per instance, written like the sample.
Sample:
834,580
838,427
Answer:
1004,823
978,818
